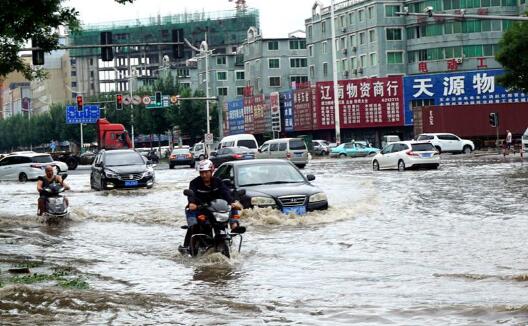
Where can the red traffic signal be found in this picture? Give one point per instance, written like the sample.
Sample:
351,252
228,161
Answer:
119,102
79,103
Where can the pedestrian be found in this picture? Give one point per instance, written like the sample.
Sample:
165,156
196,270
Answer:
508,144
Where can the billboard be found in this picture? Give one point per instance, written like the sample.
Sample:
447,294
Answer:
235,114
363,103
259,118
302,109
456,88
249,124
89,114
286,102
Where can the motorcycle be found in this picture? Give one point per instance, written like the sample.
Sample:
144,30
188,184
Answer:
216,214
56,204
153,157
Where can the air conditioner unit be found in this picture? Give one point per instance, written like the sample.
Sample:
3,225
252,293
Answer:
355,71
354,49
345,51
360,70
459,60
343,29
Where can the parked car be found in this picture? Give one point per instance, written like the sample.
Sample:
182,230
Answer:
448,143
121,168
406,155
353,149
524,142
293,149
87,158
24,166
240,140
321,147
273,183
227,154
389,139
181,156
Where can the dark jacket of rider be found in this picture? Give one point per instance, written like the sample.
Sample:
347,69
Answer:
205,194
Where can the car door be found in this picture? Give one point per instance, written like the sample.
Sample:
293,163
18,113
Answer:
395,155
263,152
274,150
384,159
97,169
456,143
6,168
350,149
360,150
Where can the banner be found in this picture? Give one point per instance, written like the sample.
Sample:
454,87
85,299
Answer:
286,102
363,103
259,119
456,88
235,114
249,123
302,109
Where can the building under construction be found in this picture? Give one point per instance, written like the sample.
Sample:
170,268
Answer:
226,30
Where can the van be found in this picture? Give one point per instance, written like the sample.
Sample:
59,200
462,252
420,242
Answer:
241,140
198,151
388,139
293,149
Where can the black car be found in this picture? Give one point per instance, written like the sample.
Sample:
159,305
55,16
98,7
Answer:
121,168
181,156
273,183
227,154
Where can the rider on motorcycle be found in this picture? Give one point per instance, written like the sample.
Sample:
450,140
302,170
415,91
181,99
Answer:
207,188
44,182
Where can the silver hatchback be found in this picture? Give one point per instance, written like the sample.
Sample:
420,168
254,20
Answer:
292,149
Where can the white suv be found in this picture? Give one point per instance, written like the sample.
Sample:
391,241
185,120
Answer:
24,166
444,142
404,155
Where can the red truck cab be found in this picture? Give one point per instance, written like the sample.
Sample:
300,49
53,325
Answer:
112,135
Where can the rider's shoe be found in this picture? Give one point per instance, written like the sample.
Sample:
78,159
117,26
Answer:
239,230
183,250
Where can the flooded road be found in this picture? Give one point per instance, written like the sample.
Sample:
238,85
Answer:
441,247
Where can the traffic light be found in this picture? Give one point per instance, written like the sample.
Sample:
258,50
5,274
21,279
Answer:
119,102
177,49
494,119
158,99
37,56
107,53
79,103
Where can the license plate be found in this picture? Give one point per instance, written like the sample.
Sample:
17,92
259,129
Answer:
299,210
298,154
180,158
131,183
248,157
426,155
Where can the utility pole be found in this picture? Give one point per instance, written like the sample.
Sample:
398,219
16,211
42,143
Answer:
334,68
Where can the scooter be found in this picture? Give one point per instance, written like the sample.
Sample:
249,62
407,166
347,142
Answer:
153,157
56,204
215,216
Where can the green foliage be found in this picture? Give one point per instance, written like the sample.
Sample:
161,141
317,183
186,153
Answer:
513,56
59,277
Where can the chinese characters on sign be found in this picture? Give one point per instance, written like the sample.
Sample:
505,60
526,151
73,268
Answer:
302,109
372,102
235,115
259,120
249,123
275,112
287,110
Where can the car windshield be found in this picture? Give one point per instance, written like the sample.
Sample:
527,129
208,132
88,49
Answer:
425,137
259,174
120,159
42,159
247,143
297,144
525,137
180,151
426,147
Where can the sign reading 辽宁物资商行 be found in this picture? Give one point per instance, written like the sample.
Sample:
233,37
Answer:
456,88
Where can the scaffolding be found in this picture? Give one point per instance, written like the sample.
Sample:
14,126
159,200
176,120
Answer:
224,28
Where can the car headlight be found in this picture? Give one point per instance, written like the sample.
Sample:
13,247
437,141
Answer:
148,173
321,196
262,201
110,174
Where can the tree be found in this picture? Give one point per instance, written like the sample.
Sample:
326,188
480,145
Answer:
513,56
24,20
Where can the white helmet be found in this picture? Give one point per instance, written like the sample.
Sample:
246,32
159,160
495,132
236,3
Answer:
206,165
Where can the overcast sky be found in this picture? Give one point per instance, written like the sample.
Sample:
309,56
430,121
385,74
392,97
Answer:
277,17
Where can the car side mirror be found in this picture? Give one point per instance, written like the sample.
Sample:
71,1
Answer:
310,177
188,192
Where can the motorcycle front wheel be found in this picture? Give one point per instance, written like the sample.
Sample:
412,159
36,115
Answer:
225,249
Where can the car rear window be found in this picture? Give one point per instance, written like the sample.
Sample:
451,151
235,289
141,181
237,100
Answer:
180,151
425,137
297,144
42,159
247,143
426,147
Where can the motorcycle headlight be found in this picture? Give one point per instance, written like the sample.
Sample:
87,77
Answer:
321,196
110,174
262,201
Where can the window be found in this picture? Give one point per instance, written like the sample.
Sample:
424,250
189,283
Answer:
353,40
91,74
221,75
275,81
391,10
73,84
312,72
471,26
221,60
353,62
394,57
240,91
472,50
373,59
342,20
298,62
351,18
240,75
361,38
342,43
274,147
372,36
310,50
273,63
222,91
394,34
325,69
310,31
344,65
91,61
361,14
323,48
74,73
323,27
273,45
363,61
299,79
297,44
370,12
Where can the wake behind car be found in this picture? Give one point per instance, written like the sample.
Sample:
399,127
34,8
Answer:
406,155
273,183
181,156
121,168
24,166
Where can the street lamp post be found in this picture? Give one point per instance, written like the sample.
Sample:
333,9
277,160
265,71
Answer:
334,66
